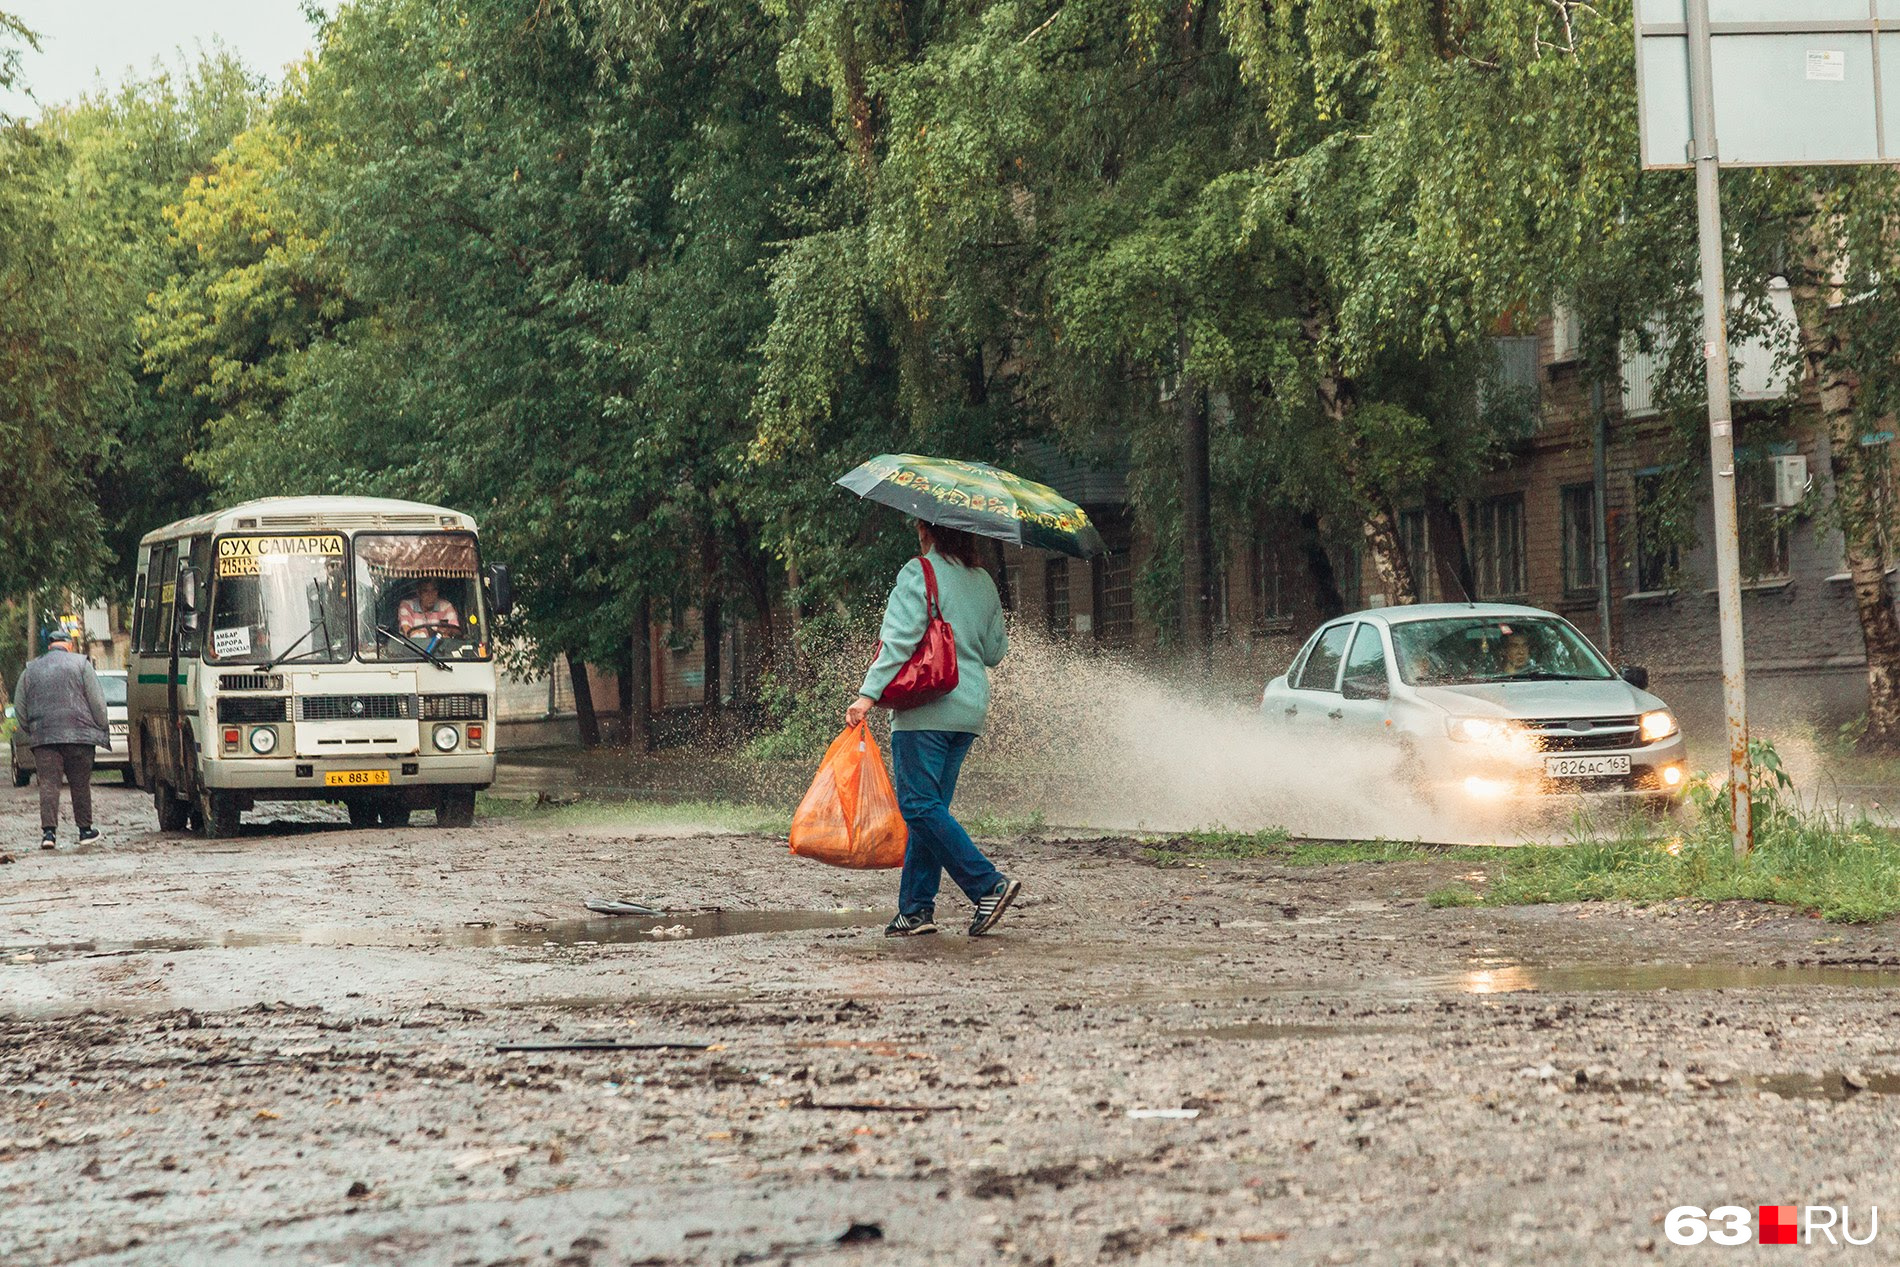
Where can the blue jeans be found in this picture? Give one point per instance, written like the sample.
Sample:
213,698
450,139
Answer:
925,764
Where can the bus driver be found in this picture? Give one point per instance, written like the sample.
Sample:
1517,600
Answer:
428,612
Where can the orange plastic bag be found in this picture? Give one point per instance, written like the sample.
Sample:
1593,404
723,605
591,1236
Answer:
849,818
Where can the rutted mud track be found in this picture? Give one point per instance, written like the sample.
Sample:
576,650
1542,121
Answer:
1373,1081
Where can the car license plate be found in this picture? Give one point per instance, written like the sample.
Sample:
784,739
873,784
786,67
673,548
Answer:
1586,767
370,778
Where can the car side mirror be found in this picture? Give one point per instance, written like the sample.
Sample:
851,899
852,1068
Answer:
1365,688
501,589
1636,675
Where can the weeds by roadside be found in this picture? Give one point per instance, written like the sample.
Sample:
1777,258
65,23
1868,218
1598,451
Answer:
1842,870
1005,826
1274,844
683,816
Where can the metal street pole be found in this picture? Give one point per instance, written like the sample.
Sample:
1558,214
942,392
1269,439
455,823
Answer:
1599,511
1728,569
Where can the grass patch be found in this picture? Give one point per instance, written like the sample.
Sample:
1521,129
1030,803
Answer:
1846,871
753,820
1005,826
1276,845
1452,895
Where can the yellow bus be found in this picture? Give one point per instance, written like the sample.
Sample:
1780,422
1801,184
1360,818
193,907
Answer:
314,648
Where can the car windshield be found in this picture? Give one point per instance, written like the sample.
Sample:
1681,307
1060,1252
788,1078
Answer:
417,593
1468,649
113,684
277,598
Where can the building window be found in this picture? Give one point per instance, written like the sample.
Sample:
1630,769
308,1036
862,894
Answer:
1657,554
1271,580
1055,596
1415,534
1497,546
1580,539
1762,527
1115,600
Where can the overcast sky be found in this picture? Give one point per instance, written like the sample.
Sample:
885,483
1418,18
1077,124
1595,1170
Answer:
82,41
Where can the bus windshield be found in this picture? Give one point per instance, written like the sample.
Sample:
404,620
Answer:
279,599
417,594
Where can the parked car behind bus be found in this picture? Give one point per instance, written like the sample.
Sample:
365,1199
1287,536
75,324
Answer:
117,757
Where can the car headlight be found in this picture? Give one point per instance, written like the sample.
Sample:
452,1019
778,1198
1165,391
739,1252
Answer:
1658,725
1478,729
263,741
446,737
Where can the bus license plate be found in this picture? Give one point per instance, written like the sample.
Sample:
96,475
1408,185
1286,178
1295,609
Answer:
369,778
1586,767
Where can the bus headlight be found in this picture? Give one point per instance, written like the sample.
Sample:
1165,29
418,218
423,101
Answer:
1658,725
263,740
446,737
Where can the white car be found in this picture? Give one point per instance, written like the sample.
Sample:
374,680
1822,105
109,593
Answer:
117,757
1483,702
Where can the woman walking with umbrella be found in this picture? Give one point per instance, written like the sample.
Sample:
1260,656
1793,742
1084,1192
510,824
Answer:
930,740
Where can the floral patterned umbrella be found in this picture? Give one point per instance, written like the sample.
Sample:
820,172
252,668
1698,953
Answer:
978,498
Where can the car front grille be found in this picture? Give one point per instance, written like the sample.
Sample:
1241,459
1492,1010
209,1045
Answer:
1584,734
355,707
242,709
454,707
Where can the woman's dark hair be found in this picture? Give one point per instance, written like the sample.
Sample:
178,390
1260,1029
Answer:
953,544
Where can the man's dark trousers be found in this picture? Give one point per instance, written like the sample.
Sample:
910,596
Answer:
73,763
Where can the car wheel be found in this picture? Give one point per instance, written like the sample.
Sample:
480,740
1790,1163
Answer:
456,808
173,814
393,815
362,813
127,777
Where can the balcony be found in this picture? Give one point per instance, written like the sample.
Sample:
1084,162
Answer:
1758,368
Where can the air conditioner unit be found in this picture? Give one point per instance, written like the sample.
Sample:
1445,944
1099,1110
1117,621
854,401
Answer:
1791,481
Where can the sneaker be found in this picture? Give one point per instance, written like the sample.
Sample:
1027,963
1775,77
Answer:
88,834
48,840
924,921
991,908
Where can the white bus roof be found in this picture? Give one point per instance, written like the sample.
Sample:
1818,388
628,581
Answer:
303,514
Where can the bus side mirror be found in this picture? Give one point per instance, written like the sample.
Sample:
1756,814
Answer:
501,589
188,597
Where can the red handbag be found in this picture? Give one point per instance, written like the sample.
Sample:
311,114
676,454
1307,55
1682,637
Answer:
931,671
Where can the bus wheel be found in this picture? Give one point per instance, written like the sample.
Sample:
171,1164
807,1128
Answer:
456,808
393,814
362,813
219,814
172,812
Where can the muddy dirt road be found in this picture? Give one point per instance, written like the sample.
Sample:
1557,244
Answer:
283,1048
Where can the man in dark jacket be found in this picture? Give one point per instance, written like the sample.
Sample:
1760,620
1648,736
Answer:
63,709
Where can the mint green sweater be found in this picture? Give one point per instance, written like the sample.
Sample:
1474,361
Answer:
967,598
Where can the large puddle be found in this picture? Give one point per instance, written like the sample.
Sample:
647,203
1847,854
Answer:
623,930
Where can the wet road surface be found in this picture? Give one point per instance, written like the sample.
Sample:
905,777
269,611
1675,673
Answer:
285,1047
